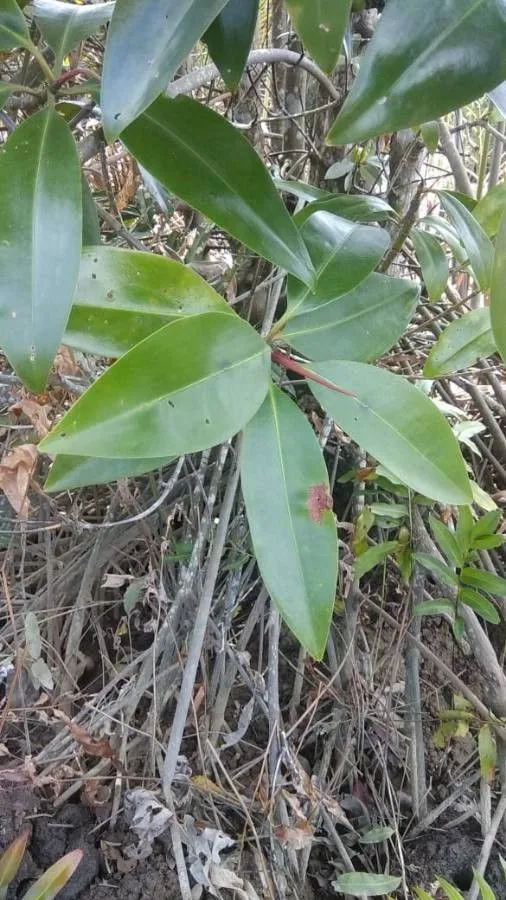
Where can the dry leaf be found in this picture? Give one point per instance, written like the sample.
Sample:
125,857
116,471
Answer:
295,837
36,413
65,363
16,470
113,580
93,746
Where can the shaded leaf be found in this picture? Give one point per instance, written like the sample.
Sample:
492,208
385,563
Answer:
362,325
122,296
439,607
461,344
498,291
229,38
190,385
63,25
10,861
446,541
70,472
40,242
481,605
439,569
358,883
430,135
343,255
423,61
41,674
349,206
301,190
450,892
91,225
433,262
478,246
32,636
464,529
291,521
377,834
226,180
146,43
490,209
486,525
372,557
398,425
485,581
13,27
51,882
498,98
134,593
486,892
5,92
321,27
448,234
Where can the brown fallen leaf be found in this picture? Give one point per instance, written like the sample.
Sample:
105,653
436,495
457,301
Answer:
65,363
92,746
295,837
16,471
36,413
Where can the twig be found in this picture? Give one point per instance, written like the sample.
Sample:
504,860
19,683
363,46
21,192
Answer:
486,849
414,703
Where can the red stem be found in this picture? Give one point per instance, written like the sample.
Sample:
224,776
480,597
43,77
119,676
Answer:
72,73
282,359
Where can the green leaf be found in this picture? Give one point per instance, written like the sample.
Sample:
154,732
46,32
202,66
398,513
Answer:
5,92
433,262
498,291
439,569
451,892
430,135
70,472
420,894
190,385
301,190
358,883
122,296
292,525
448,234
461,344
464,529
10,861
425,60
480,604
377,834
91,225
485,581
32,636
343,254
146,43
372,557
439,607
223,178
478,246
40,242
361,325
321,27
486,525
229,39
489,542
349,206
446,541
398,425
13,27
63,25
490,209
51,882
486,892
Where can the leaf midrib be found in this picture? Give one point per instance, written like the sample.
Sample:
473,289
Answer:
343,321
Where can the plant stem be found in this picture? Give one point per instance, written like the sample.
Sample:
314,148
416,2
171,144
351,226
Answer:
22,88
286,361
41,61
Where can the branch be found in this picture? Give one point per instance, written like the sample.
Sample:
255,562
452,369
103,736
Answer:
460,175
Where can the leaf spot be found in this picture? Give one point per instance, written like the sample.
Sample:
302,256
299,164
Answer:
318,501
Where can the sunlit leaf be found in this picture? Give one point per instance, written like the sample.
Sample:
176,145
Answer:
51,882
461,344
10,861
424,60
229,38
484,581
40,242
224,179
291,521
355,207
398,425
190,385
321,26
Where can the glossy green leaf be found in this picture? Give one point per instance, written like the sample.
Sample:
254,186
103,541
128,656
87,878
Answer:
10,861
290,518
55,878
430,135
229,38
122,296
484,581
448,234
398,425
440,607
461,344
349,206
358,884
70,472
190,385
361,325
464,199
498,292
343,254
490,209
481,605
439,569
424,60
372,557
63,25
321,25
301,190
13,27
146,43
478,246
446,541
222,177
40,242
433,262
91,224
